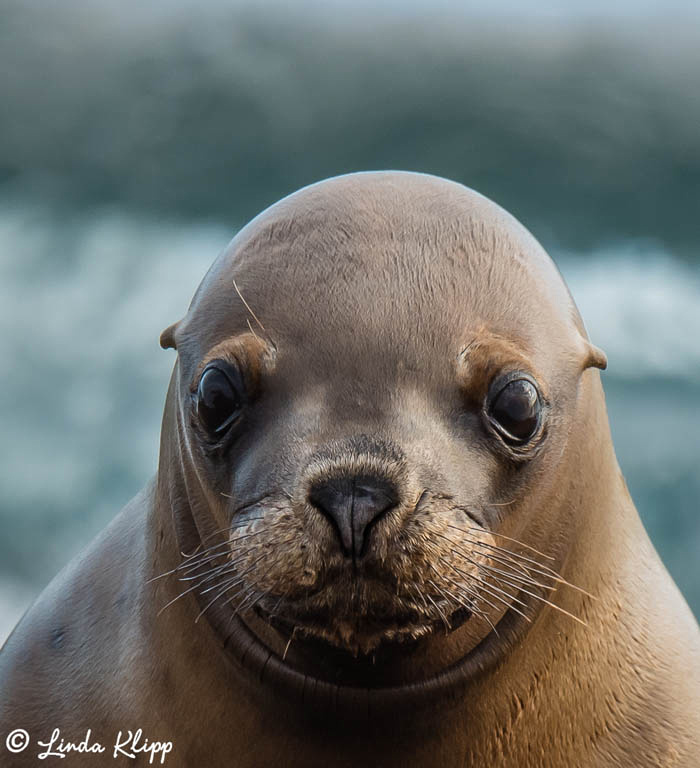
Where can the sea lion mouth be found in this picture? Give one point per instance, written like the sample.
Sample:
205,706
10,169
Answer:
406,622
365,636
360,613
309,648
356,687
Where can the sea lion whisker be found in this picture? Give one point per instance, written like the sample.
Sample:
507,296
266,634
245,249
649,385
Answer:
235,580
483,586
415,590
231,617
253,315
224,548
229,584
522,544
438,589
160,576
516,578
282,597
521,559
247,604
493,557
524,561
421,495
212,553
211,534
513,559
198,552
211,572
242,591
237,574
548,573
460,601
473,596
503,559
440,612
194,551
526,579
254,503
522,589
418,592
554,605
207,557
185,565
428,608
250,328
224,551
205,577
479,580
444,594
289,642
176,598
232,526
472,528
208,575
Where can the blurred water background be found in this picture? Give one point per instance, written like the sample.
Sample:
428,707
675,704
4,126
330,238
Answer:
136,138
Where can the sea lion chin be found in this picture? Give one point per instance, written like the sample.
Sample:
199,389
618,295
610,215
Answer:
388,526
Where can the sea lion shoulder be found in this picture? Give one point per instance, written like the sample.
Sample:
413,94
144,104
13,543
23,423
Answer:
66,649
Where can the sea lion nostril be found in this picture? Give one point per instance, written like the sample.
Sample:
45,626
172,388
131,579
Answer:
352,504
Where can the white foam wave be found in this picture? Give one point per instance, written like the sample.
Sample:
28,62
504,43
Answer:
642,307
82,303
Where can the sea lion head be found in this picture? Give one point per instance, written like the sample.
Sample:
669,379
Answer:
373,407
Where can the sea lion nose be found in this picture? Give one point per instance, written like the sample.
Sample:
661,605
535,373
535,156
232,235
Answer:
352,504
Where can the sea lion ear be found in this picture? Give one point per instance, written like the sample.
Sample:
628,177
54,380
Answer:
595,358
167,338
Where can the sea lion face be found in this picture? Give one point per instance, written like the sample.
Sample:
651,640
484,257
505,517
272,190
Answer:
376,381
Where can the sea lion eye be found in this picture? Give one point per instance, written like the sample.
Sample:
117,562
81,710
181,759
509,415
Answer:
219,400
515,410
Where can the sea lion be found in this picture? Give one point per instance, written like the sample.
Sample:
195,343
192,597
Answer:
388,527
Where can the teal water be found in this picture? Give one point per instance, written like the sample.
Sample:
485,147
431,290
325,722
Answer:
132,145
